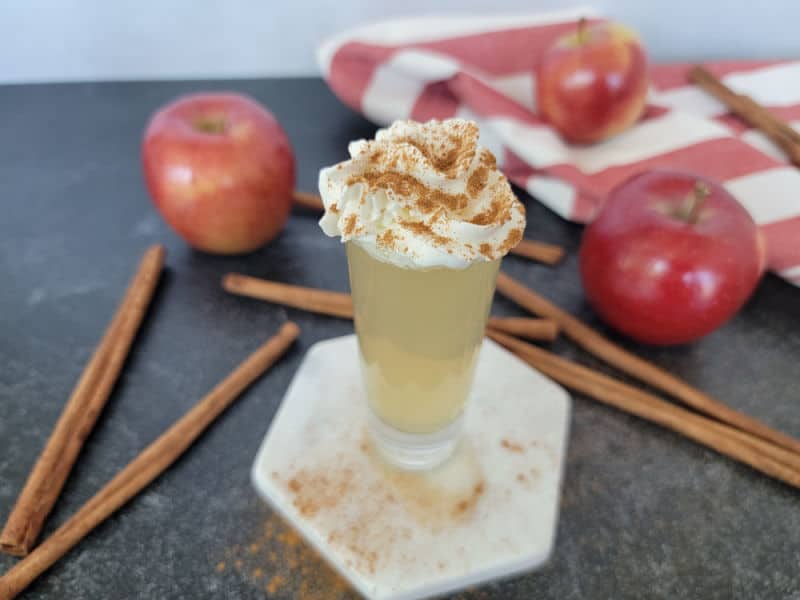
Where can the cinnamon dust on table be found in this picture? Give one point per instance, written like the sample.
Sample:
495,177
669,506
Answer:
278,562
275,584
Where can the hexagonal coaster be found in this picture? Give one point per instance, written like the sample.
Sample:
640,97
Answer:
488,512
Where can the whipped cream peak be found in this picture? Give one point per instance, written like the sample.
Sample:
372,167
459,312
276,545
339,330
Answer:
422,195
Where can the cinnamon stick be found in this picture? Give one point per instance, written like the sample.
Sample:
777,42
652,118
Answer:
334,304
338,304
763,456
601,347
147,466
750,112
532,329
81,412
548,254
308,200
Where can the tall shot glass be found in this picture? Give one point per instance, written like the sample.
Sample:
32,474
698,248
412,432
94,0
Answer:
419,333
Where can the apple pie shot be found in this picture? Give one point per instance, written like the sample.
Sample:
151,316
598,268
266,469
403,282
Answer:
426,218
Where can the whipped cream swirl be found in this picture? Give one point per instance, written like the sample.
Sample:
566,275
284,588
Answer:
422,195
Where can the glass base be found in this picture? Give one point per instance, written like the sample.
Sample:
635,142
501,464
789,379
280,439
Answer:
414,451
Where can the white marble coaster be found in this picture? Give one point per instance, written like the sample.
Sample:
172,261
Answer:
489,512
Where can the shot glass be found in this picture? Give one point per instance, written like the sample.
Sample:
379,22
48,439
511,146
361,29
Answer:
419,334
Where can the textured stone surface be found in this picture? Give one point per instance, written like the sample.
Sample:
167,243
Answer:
645,513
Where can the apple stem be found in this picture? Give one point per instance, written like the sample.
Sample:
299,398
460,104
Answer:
582,30
212,125
696,200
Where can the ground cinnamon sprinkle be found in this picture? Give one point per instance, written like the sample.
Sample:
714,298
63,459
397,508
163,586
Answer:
477,181
433,200
370,537
426,199
285,567
453,202
393,164
425,230
316,491
386,239
275,584
468,504
488,216
513,238
350,224
278,562
449,160
512,446
488,160
399,183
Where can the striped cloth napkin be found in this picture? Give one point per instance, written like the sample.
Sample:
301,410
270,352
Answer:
482,68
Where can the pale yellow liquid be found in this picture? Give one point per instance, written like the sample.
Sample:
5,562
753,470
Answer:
419,332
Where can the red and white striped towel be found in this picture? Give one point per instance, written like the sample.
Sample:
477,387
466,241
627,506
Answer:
482,68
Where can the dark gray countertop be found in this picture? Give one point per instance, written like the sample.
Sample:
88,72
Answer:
645,513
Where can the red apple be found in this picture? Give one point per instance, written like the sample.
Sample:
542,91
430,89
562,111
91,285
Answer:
670,257
220,169
592,83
